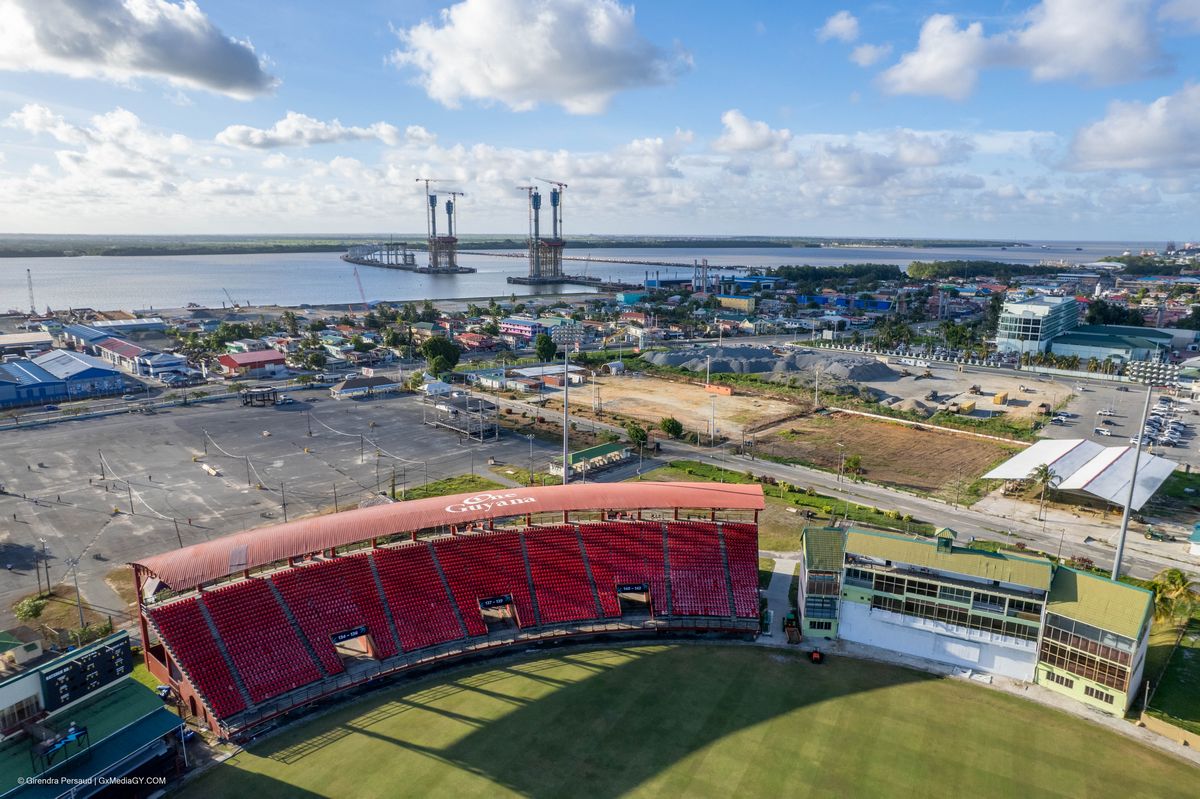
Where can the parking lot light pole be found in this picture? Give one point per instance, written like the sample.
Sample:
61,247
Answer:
1152,373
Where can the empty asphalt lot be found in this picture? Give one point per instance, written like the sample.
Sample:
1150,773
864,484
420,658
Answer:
64,481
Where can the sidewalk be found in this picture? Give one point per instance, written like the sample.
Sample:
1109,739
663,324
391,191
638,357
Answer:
777,600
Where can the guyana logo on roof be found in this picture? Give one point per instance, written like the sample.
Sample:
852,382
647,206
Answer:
482,503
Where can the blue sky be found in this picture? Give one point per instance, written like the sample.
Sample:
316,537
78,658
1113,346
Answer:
1037,119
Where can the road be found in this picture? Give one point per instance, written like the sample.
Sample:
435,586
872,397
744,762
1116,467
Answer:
1142,558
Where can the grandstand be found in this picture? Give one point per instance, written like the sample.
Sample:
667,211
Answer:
260,623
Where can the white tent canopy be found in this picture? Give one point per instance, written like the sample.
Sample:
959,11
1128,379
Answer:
1086,467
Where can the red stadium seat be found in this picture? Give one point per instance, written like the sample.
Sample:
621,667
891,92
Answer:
560,581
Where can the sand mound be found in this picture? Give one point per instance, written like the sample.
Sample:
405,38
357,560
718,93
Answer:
757,359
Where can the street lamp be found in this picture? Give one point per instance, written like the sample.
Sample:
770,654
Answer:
841,459
529,437
1152,373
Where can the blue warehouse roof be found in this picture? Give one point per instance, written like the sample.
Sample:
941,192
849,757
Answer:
70,365
25,373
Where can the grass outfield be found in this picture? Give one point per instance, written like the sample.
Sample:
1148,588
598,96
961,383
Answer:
693,720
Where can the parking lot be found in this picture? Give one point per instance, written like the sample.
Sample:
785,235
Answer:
74,484
1127,405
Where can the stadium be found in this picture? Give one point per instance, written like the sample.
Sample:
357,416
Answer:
590,639
253,626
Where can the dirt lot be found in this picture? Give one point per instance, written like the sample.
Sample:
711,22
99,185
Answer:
893,454
950,384
651,398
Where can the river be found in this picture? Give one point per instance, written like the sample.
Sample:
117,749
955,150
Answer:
146,282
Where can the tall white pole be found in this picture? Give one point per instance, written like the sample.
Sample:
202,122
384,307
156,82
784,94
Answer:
712,440
1137,454
566,414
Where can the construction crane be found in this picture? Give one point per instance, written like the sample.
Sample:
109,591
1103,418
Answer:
232,304
361,293
32,305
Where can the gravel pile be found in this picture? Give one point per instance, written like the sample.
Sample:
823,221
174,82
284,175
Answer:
753,359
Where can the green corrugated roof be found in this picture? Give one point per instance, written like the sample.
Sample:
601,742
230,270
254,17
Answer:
823,550
1117,607
598,451
1006,568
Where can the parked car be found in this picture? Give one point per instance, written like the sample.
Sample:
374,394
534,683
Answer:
128,397
49,407
1100,431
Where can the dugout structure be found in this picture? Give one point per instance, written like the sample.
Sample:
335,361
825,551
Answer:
267,622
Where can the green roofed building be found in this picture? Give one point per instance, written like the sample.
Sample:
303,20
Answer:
1094,639
592,459
1009,614
820,580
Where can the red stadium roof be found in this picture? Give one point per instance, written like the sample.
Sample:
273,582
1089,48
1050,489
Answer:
188,567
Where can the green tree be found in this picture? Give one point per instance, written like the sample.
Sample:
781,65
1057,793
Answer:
289,322
545,347
1100,312
1173,595
29,608
440,346
853,464
671,426
1047,477
637,434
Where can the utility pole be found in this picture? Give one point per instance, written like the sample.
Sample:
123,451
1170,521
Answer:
129,491
712,429
362,457
177,535
335,502
101,453
566,414
308,416
393,481
529,436
46,561
78,596
283,500
205,442
247,471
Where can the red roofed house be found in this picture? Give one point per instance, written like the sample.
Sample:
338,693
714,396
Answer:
263,363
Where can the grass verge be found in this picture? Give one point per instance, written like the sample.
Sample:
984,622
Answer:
459,484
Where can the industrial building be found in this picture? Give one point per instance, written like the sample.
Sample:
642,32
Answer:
22,343
1117,342
360,387
1018,616
1029,324
593,459
253,364
56,376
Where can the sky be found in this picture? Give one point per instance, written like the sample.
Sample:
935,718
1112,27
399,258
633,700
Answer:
1051,119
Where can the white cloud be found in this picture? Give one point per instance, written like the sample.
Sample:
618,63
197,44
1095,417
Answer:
842,26
747,135
114,146
847,165
867,55
573,53
301,130
946,61
1104,41
1098,41
1185,11
122,40
1158,137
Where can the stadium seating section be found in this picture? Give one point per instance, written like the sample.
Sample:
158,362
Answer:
278,631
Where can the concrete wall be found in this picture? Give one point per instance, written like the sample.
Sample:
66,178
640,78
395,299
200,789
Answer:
930,639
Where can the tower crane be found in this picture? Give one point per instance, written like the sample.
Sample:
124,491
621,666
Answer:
361,293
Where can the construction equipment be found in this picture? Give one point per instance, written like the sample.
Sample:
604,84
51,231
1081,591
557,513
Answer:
931,396
975,389
32,305
229,296
361,293
927,374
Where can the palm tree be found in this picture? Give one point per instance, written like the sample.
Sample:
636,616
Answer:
1173,595
1093,364
1047,477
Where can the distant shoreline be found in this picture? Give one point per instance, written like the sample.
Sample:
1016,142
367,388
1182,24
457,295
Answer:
74,248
